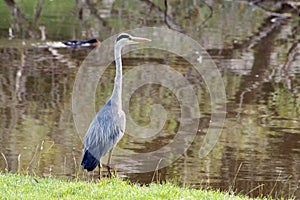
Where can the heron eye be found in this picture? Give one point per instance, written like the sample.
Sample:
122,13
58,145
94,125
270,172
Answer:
121,37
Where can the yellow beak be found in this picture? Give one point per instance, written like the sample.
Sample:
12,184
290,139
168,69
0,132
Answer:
140,39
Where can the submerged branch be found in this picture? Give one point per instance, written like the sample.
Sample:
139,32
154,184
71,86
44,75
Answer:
164,14
210,14
280,12
168,20
291,55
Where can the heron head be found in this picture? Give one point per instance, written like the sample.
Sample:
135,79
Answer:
125,39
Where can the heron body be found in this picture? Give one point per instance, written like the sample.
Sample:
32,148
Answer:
98,142
108,126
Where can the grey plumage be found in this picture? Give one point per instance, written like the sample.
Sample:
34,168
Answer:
97,141
108,126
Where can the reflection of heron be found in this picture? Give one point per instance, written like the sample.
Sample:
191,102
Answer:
108,126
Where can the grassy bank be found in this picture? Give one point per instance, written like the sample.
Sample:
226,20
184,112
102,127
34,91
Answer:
14,186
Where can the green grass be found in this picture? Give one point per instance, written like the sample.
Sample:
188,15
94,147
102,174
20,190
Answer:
14,186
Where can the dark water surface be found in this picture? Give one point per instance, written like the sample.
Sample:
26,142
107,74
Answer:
258,55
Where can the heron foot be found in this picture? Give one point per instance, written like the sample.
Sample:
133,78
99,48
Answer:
110,170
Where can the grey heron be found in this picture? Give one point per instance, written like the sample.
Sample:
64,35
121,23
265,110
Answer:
108,126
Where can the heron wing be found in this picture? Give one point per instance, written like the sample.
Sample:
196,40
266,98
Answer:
105,131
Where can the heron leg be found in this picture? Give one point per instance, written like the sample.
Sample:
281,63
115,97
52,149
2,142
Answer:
108,162
100,166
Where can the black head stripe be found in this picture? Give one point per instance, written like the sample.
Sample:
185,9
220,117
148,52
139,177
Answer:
122,36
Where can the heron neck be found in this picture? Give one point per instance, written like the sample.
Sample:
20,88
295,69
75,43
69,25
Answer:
116,98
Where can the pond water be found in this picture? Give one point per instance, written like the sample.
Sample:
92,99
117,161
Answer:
258,150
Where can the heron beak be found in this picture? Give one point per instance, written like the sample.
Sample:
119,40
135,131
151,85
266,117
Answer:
140,39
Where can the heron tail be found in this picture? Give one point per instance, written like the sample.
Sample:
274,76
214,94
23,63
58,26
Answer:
89,162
